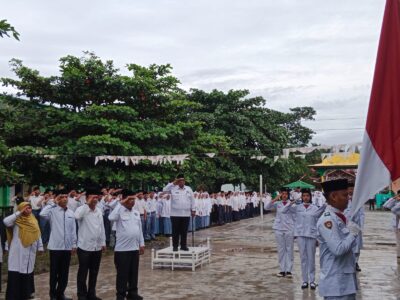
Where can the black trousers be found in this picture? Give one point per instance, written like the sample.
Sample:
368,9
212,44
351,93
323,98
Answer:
89,262
59,269
19,286
127,265
180,227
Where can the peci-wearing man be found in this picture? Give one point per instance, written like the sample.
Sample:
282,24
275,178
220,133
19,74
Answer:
91,243
62,244
129,245
182,208
337,236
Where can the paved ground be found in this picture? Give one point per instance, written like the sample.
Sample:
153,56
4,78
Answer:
244,264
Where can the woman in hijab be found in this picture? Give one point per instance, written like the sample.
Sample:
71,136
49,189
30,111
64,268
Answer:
23,240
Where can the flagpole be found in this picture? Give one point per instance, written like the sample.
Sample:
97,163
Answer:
261,203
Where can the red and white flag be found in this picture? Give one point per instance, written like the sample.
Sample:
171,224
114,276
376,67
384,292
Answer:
380,156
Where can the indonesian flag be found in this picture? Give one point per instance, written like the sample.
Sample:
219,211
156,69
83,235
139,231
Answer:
380,156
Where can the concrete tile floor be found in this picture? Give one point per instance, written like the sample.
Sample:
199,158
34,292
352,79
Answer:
244,264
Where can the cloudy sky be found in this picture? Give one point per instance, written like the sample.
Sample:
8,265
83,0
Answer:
291,52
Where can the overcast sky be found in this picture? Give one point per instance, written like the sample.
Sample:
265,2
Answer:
291,52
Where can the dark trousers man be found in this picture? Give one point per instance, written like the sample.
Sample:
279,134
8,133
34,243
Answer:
179,230
59,269
107,227
89,261
127,265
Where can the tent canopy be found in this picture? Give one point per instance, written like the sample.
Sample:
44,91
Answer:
300,184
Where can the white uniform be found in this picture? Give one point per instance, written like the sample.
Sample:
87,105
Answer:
91,234
182,200
128,229
394,206
338,278
283,228
21,259
63,227
305,229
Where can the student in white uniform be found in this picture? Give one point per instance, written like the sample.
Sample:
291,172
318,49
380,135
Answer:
128,247
74,200
166,214
283,228
318,198
393,205
91,243
23,239
305,230
336,236
61,245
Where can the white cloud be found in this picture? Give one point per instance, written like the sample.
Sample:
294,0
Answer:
294,53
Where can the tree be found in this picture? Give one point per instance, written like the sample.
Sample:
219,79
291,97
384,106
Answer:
6,29
55,126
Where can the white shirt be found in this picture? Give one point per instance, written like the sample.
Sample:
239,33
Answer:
91,235
166,208
21,259
182,200
128,228
74,203
140,206
63,227
34,200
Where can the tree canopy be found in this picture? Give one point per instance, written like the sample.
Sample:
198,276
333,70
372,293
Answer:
6,30
91,109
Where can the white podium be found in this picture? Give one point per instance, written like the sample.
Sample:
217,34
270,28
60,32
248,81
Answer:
195,257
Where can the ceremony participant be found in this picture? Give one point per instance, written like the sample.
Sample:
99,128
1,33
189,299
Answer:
129,245
36,199
338,274
166,214
283,228
318,198
74,200
392,204
359,218
140,206
182,207
23,240
91,243
61,245
305,231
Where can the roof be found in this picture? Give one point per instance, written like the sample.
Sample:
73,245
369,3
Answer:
340,160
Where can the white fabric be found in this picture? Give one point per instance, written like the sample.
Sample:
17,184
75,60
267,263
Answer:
182,200
35,202
128,229
307,248
284,240
63,227
21,259
140,206
91,235
372,175
74,203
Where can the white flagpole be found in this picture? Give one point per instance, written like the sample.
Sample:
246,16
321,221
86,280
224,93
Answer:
261,203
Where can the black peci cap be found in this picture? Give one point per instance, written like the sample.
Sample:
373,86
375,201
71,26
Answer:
335,185
180,176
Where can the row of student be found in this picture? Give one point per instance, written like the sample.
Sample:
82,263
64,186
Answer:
340,240
24,240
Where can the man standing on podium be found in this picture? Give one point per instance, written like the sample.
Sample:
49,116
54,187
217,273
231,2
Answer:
182,206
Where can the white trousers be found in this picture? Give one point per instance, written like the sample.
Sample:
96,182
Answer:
307,248
284,239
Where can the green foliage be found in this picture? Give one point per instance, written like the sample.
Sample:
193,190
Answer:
90,109
6,29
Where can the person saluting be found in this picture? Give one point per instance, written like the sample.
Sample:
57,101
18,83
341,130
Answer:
182,207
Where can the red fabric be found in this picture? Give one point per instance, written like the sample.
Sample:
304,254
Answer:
383,121
341,216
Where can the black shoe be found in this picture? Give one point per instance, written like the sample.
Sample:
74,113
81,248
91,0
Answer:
184,248
94,298
175,249
134,297
313,285
64,298
281,274
289,275
304,285
358,268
